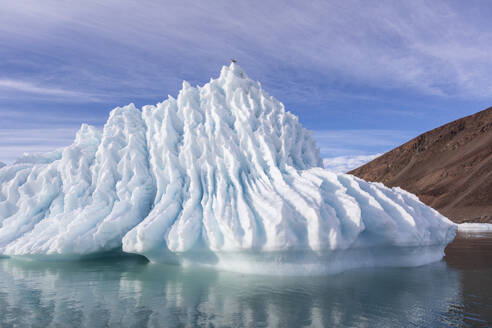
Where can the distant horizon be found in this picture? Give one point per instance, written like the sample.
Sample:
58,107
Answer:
363,77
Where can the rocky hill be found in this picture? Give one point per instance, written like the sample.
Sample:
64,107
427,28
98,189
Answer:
449,168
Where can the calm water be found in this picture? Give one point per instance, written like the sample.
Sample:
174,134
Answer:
132,293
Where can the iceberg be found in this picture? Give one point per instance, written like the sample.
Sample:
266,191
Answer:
220,176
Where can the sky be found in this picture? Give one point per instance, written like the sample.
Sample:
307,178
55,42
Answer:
364,76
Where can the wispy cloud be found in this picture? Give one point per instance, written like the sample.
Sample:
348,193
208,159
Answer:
36,119
31,88
15,142
433,47
8,86
305,53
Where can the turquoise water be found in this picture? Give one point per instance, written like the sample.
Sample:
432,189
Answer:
129,292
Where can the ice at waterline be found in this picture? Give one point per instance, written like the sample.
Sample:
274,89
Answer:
221,176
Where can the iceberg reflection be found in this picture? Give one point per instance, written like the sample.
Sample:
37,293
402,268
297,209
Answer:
133,293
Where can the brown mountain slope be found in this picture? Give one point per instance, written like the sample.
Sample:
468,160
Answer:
449,168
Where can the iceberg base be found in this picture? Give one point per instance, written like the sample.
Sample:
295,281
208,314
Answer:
306,262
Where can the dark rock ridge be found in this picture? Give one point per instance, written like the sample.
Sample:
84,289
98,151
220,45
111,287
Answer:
448,168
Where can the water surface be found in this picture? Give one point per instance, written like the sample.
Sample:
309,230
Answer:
129,292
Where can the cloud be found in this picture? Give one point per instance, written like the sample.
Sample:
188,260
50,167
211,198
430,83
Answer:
36,118
334,143
10,86
31,88
304,53
343,164
15,142
296,49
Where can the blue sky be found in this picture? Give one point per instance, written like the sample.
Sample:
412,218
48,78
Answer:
365,76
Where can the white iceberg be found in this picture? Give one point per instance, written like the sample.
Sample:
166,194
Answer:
223,176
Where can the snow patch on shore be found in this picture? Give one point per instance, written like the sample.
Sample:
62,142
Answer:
479,227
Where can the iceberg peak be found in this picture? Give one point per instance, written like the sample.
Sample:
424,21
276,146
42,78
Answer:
231,71
222,175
